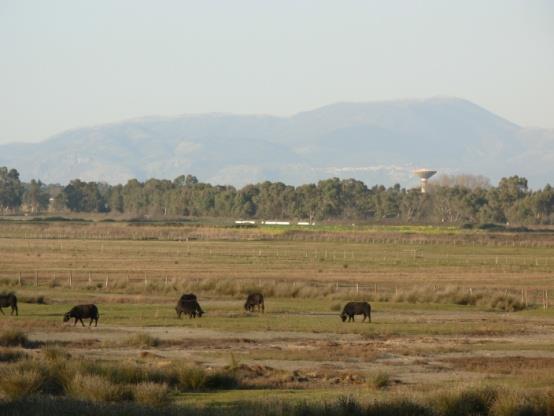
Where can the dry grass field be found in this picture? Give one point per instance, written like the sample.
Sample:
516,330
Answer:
460,323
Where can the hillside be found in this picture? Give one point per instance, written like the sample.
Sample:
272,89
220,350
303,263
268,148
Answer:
377,142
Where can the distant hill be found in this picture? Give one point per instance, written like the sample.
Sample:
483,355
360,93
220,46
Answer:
377,142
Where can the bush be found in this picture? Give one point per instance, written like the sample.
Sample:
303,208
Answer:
380,380
221,381
13,338
8,355
151,394
16,384
399,407
142,340
55,354
472,401
191,378
97,389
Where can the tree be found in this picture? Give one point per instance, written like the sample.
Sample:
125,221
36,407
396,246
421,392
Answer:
36,196
11,190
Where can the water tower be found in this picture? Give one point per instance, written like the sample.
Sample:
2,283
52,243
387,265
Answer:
424,174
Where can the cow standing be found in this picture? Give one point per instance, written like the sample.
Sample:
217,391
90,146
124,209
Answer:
356,308
254,299
8,299
83,311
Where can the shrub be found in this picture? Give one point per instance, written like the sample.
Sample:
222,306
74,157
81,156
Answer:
55,354
221,381
399,407
142,340
191,378
13,338
95,388
472,401
151,394
9,355
16,384
379,380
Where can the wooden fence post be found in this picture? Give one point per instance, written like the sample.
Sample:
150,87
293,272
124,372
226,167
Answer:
89,278
36,278
19,279
357,288
70,279
107,280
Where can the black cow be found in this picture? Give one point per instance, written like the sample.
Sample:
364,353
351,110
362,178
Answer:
187,296
83,311
189,307
356,308
8,299
254,299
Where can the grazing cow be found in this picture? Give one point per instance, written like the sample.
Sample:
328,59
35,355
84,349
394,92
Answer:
254,299
83,311
189,307
8,299
356,308
187,296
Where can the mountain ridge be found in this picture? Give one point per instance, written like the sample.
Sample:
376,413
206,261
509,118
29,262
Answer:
367,140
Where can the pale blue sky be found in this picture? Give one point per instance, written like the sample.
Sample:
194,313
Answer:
71,63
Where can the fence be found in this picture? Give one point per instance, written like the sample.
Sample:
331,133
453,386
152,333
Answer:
160,281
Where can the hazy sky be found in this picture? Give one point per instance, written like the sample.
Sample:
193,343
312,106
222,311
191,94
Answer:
66,64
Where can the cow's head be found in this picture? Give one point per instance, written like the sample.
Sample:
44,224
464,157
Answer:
66,317
343,316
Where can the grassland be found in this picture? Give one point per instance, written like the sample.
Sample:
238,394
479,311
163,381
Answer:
441,327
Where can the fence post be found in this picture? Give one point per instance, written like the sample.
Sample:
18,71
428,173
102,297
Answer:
70,279
107,280
165,284
357,288
19,279
546,299
89,278
36,278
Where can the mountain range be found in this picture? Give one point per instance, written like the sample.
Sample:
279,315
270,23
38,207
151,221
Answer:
377,142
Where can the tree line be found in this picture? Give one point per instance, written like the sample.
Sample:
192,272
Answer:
450,200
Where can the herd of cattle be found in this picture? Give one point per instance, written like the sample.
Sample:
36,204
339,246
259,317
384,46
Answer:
188,305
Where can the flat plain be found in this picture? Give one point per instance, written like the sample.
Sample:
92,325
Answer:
452,308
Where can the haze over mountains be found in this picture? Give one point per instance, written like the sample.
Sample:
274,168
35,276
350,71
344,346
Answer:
377,142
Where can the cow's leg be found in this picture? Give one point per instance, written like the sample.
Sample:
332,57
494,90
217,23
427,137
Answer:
263,308
75,323
14,308
96,322
365,316
82,323
90,323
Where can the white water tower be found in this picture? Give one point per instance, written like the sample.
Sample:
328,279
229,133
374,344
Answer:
424,174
